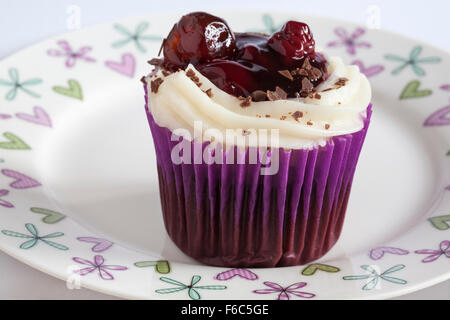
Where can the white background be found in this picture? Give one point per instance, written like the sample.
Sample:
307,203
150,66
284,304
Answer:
24,22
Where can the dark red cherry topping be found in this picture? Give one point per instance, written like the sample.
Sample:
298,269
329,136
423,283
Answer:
246,62
293,42
198,37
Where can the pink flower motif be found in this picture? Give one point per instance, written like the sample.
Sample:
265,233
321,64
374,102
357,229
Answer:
444,249
285,293
70,54
99,266
349,40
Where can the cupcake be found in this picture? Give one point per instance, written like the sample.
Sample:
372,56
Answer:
257,138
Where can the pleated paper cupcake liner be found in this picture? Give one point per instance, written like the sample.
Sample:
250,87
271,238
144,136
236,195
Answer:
231,215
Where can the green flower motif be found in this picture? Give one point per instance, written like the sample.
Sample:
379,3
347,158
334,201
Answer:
35,238
374,277
192,287
17,85
413,60
137,37
269,25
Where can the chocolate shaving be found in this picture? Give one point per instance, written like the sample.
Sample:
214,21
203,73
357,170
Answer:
303,94
246,102
191,75
307,86
156,62
246,133
267,115
315,74
317,96
300,72
297,114
286,74
143,80
154,85
327,126
259,95
309,123
306,65
166,73
341,82
209,93
278,94
283,118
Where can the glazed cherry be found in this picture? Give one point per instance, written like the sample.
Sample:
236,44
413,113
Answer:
294,42
198,37
238,79
246,62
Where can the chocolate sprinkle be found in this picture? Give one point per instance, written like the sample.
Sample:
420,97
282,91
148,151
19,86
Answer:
154,85
278,94
286,74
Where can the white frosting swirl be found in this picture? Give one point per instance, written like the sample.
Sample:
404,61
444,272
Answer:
179,102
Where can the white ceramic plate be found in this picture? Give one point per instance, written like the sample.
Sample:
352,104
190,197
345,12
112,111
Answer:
78,185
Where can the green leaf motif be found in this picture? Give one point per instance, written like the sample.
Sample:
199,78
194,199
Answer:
411,91
51,217
440,222
161,266
13,143
73,91
312,268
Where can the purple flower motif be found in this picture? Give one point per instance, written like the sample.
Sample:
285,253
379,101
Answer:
444,249
349,40
3,202
99,266
71,54
287,292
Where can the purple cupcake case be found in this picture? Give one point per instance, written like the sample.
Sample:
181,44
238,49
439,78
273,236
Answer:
231,215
